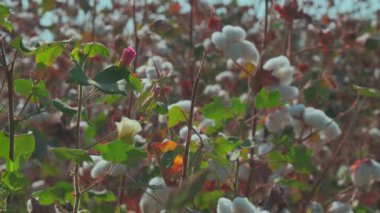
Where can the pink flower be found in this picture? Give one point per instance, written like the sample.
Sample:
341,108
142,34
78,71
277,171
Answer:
127,57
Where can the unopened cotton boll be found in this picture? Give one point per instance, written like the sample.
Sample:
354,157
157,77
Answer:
127,128
243,205
316,118
233,33
149,204
224,205
288,92
339,207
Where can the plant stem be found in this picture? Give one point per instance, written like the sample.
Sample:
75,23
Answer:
191,69
77,134
190,124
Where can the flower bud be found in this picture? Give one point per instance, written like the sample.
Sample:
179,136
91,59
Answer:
127,128
127,57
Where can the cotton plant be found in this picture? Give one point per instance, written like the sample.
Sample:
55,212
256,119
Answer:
364,173
155,197
238,205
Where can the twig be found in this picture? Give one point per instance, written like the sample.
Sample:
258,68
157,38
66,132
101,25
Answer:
190,124
191,69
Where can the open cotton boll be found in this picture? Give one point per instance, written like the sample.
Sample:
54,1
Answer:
234,50
375,170
316,118
332,131
278,120
339,207
276,63
374,133
225,75
288,92
224,205
183,132
243,205
87,166
139,139
218,39
149,204
284,74
185,105
151,73
100,168
206,123
212,90
296,110
361,175
197,138
233,33
162,119
250,51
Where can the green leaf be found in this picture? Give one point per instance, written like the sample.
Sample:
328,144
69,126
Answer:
92,49
135,83
367,92
14,181
77,76
7,25
24,145
111,75
84,5
63,107
238,107
159,107
40,91
23,86
59,192
300,158
224,146
46,54
4,11
207,200
175,116
77,155
217,111
107,196
18,45
295,184
188,191
277,159
77,54
47,5
169,156
121,152
267,99
318,91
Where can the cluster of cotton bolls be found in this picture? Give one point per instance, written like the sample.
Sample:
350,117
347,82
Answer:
154,200
364,173
100,167
231,41
238,205
148,73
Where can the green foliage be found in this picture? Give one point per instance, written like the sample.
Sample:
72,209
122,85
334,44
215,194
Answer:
159,107
77,76
13,180
63,107
121,152
295,184
23,86
267,99
60,192
18,45
218,111
77,155
208,200
46,54
24,147
175,116
93,49
300,158
4,13
367,92
47,5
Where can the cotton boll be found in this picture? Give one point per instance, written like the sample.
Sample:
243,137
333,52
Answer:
233,33
243,97
332,131
218,39
339,207
205,6
288,92
375,170
296,110
361,174
374,133
265,148
139,139
206,123
185,105
233,50
278,120
225,75
162,119
224,95
196,138
250,51
244,170
151,73
224,205
316,118
284,74
316,207
276,63
166,68
100,168
183,133
212,90
243,205
148,204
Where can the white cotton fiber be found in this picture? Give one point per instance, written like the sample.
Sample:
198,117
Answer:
316,118
296,110
375,170
212,90
224,205
288,92
100,168
243,205
250,51
149,204
276,63
332,131
185,105
361,176
151,73
183,133
374,133
219,41
233,50
339,207
225,75
284,74
233,33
